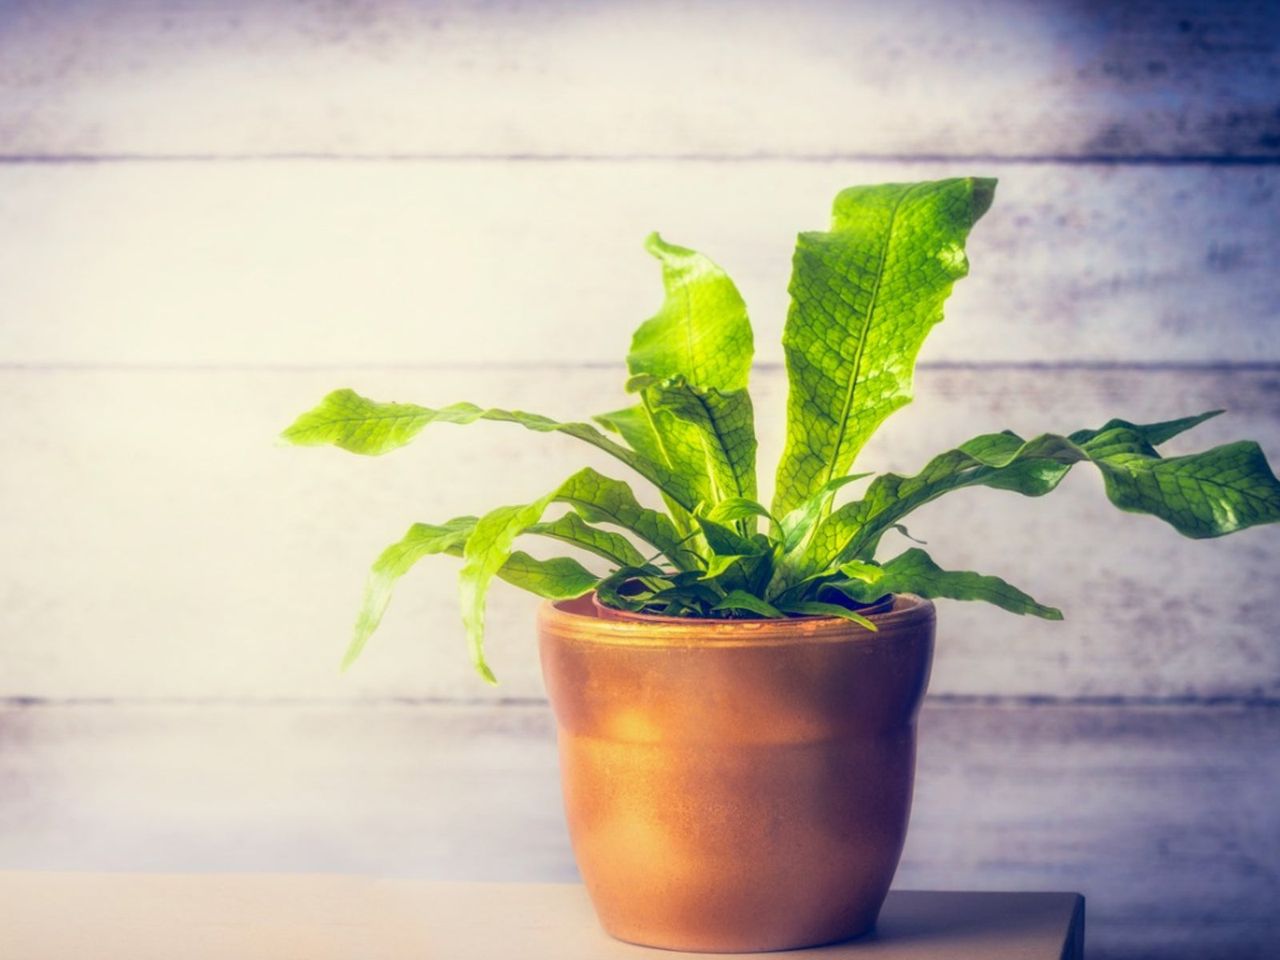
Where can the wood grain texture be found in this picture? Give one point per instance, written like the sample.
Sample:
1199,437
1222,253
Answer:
308,263
993,77
1164,818
282,917
162,545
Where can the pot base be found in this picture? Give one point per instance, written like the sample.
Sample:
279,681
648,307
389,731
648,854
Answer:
807,940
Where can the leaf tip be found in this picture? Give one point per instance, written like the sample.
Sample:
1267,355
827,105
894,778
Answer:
984,192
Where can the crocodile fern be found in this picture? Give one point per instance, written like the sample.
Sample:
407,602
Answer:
864,295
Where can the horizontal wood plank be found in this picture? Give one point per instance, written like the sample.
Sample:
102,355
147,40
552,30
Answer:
160,544
1164,818
308,263
996,77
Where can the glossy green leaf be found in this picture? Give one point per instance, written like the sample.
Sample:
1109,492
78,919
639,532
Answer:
690,362
799,523
716,432
423,539
743,602
560,578
637,428
863,297
602,499
1207,494
701,332
735,509
915,572
573,530
486,550
354,423
597,498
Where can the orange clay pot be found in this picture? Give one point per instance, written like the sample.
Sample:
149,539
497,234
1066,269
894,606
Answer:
739,785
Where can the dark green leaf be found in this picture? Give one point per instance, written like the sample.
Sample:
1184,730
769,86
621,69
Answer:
914,572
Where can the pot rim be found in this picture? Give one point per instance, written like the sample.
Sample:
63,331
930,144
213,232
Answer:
583,624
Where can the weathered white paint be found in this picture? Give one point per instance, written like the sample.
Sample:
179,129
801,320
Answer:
161,544
816,77
383,263
1165,819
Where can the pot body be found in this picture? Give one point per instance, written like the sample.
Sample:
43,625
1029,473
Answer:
736,786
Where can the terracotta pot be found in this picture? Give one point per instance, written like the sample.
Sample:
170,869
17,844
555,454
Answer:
741,785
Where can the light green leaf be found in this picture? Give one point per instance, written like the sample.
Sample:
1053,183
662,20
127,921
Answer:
423,539
637,428
714,430
602,499
913,571
797,524
597,498
359,425
701,332
573,530
691,362
486,550
560,578
863,298
739,508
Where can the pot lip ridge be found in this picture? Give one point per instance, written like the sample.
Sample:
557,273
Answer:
576,620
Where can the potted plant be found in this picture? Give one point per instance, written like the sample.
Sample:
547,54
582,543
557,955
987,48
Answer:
736,685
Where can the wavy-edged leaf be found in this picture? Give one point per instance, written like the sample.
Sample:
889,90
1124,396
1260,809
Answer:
797,524
596,497
712,429
559,578
690,362
422,539
637,428
1201,495
743,602
863,297
602,499
1209,494
723,539
573,530
359,425
486,550
701,332
913,571
1152,433
735,509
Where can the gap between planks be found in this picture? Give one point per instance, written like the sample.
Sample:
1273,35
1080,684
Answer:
941,699
761,366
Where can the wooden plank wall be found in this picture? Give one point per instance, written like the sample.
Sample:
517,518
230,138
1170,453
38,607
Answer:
211,213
